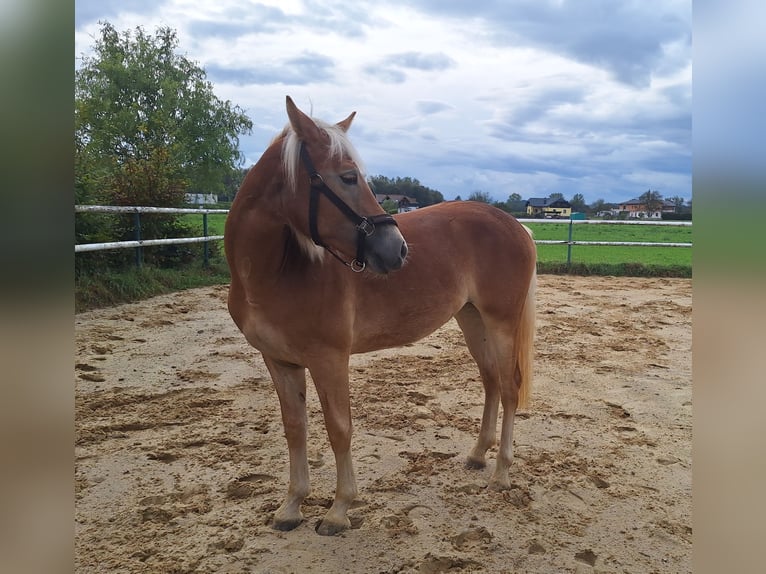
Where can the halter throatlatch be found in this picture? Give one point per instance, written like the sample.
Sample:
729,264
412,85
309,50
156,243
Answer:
365,225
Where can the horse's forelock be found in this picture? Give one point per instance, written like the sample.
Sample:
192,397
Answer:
338,144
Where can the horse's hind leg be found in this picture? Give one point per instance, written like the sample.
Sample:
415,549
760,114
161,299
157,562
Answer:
475,334
290,382
493,349
510,381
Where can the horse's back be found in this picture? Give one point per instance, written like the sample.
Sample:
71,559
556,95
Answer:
471,219
471,234
460,253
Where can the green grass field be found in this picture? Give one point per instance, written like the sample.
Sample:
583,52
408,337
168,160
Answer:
215,222
581,254
600,254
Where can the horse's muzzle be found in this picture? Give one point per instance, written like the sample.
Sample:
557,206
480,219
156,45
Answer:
386,250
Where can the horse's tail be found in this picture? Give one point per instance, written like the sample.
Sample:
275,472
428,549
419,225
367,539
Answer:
525,338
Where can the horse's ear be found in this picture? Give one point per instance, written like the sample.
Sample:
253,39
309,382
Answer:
345,124
303,125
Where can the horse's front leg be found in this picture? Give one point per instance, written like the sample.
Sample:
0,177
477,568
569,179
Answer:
331,381
290,382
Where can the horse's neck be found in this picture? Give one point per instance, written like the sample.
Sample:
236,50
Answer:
265,238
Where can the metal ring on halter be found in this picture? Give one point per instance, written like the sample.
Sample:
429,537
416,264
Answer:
357,267
316,179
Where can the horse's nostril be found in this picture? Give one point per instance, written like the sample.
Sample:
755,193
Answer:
404,249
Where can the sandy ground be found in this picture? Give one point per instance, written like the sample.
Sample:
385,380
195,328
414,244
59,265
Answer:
181,460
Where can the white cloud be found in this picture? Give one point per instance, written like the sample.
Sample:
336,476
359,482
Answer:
497,97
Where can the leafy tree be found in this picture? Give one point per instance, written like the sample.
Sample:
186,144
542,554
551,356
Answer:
678,201
481,196
231,183
136,96
578,202
408,186
148,128
514,197
598,205
556,195
652,200
390,206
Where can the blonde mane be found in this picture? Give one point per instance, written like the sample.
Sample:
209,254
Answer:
338,143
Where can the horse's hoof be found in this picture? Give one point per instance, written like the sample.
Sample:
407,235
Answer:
475,464
499,485
286,525
326,528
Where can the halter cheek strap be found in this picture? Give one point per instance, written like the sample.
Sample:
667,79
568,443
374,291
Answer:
365,225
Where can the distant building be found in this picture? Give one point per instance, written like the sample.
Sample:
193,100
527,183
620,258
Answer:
403,202
636,209
548,208
200,198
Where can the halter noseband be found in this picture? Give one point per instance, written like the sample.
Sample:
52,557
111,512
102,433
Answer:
365,226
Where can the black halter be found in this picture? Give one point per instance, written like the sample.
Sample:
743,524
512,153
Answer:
365,226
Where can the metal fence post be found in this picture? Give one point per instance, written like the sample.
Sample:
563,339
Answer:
204,232
137,220
569,246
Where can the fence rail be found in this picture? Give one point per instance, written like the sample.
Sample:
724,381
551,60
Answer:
142,209
572,222
139,243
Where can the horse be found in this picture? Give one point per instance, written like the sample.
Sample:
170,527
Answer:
319,271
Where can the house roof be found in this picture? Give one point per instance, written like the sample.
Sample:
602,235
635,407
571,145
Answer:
381,197
634,201
548,202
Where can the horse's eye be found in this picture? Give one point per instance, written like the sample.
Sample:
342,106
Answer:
349,178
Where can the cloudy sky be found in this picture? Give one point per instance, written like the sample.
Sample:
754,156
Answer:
500,96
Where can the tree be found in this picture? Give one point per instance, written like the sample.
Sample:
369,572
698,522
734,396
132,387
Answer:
148,127
652,201
678,201
578,202
514,204
479,195
390,206
556,195
231,182
136,96
598,205
408,186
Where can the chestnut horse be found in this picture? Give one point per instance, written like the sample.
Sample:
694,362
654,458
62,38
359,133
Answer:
319,271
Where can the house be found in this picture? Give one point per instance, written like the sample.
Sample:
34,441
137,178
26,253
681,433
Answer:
403,202
548,207
636,209
201,198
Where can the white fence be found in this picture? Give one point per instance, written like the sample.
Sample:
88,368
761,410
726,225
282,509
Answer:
138,243
572,222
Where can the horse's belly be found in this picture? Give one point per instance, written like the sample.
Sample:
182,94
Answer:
407,328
